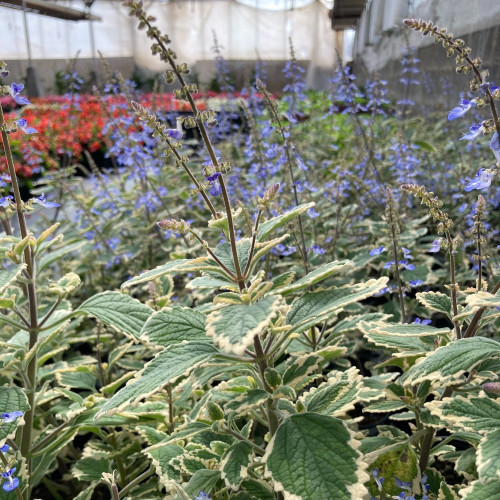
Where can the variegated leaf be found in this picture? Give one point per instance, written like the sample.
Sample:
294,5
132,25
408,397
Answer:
266,228
477,414
174,362
173,326
435,301
234,464
488,456
313,307
118,310
234,327
315,276
324,452
451,361
337,396
172,267
10,275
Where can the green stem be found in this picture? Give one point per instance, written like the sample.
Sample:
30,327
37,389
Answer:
136,481
33,309
252,248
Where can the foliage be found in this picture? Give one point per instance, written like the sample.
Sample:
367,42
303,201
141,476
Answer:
269,343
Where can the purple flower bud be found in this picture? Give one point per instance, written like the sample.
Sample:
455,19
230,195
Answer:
493,387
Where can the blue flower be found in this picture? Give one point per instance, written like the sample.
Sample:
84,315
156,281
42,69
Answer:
495,146
312,213
10,417
212,178
5,448
23,125
419,321
47,204
378,480
482,180
402,484
415,282
15,90
377,251
436,246
406,253
318,250
475,130
6,201
11,484
175,133
202,496
461,109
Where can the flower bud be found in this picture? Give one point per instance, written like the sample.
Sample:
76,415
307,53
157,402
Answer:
493,387
181,227
273,378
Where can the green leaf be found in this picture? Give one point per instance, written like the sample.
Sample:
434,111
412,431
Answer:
319,305
176,361
479,491
351,323
315,276
54,256
207,282
203,479
234,464
385,407
475,414
12,399
118,310
406,344
9,276
446,493
173,326
483,299
400,462
435,301
174,266
425,146
91,468
451,361
258,489
488,456
234,327
161,457
337,395
408,329
248,401
224,253
313,456
266,228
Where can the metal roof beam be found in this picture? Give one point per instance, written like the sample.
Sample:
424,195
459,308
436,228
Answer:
50,9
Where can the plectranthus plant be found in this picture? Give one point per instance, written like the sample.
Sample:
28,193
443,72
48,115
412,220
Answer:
269,317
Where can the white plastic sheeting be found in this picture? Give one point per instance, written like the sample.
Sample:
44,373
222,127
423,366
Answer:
245,32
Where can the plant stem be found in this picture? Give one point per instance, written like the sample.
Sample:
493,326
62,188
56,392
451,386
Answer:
252,248
471,329
429,437
262,364
453,284
136,481
207,248
33,309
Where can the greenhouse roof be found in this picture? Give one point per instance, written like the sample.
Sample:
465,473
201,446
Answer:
50,9
345,13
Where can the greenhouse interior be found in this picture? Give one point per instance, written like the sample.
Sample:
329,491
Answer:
250,250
